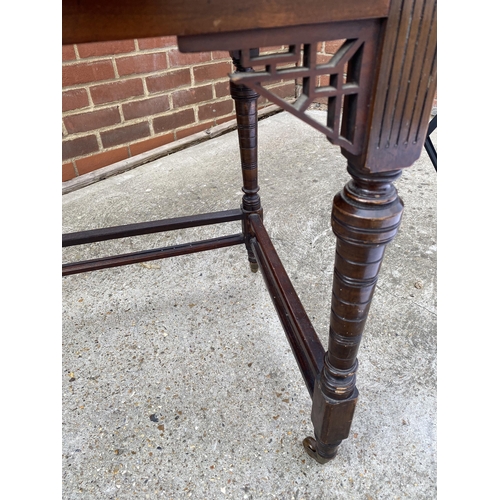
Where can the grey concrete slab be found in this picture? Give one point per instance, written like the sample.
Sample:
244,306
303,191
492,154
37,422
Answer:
178,381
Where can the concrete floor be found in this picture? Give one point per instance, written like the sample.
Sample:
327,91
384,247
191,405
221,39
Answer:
178,381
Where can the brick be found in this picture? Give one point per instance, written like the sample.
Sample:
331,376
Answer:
215,109
321,100
262,102
141,63
273,49
74,99
168,81
191,96
79,147
157,42
320,46
146,107
323,80
211,72
298,81
68,172
224,119
87,72
284,90
93,120
123,135
105,48
116,91
332,46
323,58
68,53
208,125
186,132
94,162
221,89
176,58
221,54
149,144
173,121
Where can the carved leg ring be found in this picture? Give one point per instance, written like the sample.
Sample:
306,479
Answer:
365,218
245,100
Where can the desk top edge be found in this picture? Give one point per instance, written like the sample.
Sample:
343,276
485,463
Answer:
93,21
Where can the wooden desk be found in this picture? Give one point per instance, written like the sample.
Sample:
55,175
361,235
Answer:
380,86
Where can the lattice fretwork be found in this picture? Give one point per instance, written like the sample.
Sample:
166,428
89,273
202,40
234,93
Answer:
347,89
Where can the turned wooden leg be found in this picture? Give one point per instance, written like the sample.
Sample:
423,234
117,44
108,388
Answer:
246,116
365,218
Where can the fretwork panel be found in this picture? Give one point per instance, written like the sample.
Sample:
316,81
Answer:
343,80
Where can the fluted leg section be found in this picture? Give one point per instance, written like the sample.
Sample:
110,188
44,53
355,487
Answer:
365,218
246,116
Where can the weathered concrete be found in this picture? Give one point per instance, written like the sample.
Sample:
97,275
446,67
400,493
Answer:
178,381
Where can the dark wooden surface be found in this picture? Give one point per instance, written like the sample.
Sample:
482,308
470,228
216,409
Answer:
380,115
245,104
348,101
96,20
158,226
301,335
405,87
151,254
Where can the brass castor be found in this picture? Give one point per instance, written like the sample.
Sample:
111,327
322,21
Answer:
311,448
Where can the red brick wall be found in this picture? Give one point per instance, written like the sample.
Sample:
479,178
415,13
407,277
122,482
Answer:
123,98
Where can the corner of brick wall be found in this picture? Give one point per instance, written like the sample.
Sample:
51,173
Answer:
123,98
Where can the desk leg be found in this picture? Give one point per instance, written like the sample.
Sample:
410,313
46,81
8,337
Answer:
365,218
245,100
